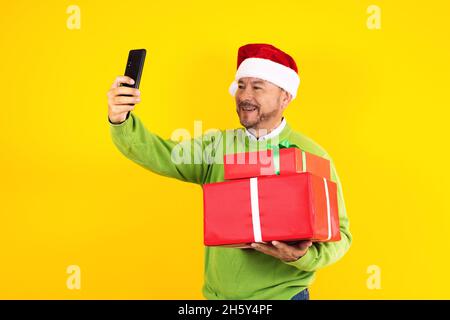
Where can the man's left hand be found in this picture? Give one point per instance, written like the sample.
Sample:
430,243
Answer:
283,251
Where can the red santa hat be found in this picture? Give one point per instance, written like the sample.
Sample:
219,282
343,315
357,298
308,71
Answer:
269,63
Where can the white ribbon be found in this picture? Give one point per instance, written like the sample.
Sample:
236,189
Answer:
304,161
255,209
327,196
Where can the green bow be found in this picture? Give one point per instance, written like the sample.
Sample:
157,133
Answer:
276,152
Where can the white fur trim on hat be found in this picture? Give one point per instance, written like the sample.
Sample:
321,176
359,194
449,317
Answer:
268,70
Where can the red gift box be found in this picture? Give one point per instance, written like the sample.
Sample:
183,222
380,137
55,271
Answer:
262,163
285,208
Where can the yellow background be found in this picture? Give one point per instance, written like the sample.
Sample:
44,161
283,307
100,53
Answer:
376,100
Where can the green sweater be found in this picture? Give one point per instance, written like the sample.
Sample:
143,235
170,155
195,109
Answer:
232,273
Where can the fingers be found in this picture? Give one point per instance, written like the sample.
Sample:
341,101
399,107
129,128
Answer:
238,246
120,109
284,251
120,100
123,96
303,245
288,251
125,91
281,245
265,248
121,79
292,252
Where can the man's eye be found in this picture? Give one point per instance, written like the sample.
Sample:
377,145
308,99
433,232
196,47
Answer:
242,87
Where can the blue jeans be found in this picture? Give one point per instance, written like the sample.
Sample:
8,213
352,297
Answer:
302,295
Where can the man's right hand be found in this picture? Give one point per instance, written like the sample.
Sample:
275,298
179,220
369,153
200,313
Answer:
118,105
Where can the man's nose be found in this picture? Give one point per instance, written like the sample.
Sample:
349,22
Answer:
246,94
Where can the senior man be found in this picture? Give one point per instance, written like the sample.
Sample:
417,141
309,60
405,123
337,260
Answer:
266,81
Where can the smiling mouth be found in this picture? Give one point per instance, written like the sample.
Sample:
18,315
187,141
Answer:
248,108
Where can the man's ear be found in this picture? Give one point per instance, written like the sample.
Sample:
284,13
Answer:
286,98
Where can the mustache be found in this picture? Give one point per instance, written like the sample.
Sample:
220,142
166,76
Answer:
247,104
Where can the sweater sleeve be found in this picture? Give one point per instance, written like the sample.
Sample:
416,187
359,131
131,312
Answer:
179,160
322,254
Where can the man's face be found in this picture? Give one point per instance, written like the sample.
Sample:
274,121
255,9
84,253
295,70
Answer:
259,103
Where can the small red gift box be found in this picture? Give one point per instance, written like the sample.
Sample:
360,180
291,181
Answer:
285,208
262,163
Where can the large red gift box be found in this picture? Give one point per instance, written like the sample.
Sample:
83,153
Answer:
262,163
285,208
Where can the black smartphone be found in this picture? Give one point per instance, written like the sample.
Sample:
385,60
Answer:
135,65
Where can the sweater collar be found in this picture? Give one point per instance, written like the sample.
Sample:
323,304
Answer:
270,135
283,134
